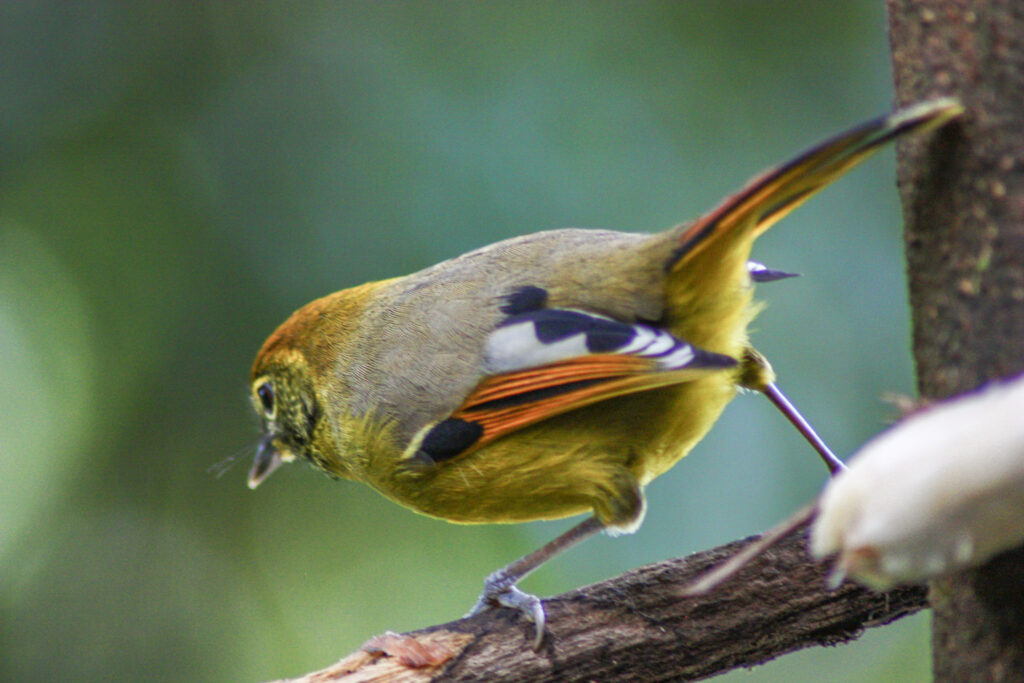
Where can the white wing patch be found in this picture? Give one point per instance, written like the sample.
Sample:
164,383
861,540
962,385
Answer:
514,347
547,336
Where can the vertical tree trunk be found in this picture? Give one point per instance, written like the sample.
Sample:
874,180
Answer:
963,197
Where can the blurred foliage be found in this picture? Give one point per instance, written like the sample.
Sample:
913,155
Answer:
175,178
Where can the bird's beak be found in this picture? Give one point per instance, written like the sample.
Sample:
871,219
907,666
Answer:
267,459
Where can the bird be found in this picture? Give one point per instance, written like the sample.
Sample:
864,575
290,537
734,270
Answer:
548,375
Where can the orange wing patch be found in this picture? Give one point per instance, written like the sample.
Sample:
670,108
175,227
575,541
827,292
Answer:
504,403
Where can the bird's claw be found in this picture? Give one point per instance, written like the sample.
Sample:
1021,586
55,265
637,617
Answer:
499,592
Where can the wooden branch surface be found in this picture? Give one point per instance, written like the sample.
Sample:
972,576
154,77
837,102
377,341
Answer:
638,626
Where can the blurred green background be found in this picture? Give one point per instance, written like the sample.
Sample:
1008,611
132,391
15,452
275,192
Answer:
175,178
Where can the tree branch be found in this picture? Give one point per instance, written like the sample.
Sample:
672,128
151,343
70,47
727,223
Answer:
638,626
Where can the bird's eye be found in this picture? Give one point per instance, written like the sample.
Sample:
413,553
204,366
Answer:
265,392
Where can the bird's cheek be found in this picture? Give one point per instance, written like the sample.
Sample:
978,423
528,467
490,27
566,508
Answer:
286,453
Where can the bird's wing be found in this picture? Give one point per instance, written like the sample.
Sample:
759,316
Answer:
550,361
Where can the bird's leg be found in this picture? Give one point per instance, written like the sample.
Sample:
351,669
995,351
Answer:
758,374
500,587
775,395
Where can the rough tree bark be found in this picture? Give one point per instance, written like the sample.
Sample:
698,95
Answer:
963,198
638,626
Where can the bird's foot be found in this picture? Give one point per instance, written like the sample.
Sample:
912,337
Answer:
500,591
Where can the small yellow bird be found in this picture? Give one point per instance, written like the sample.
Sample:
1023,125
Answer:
547,375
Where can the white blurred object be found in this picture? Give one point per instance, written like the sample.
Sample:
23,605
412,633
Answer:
941,490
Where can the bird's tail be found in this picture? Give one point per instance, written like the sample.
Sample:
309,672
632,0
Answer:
770,196
708,298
